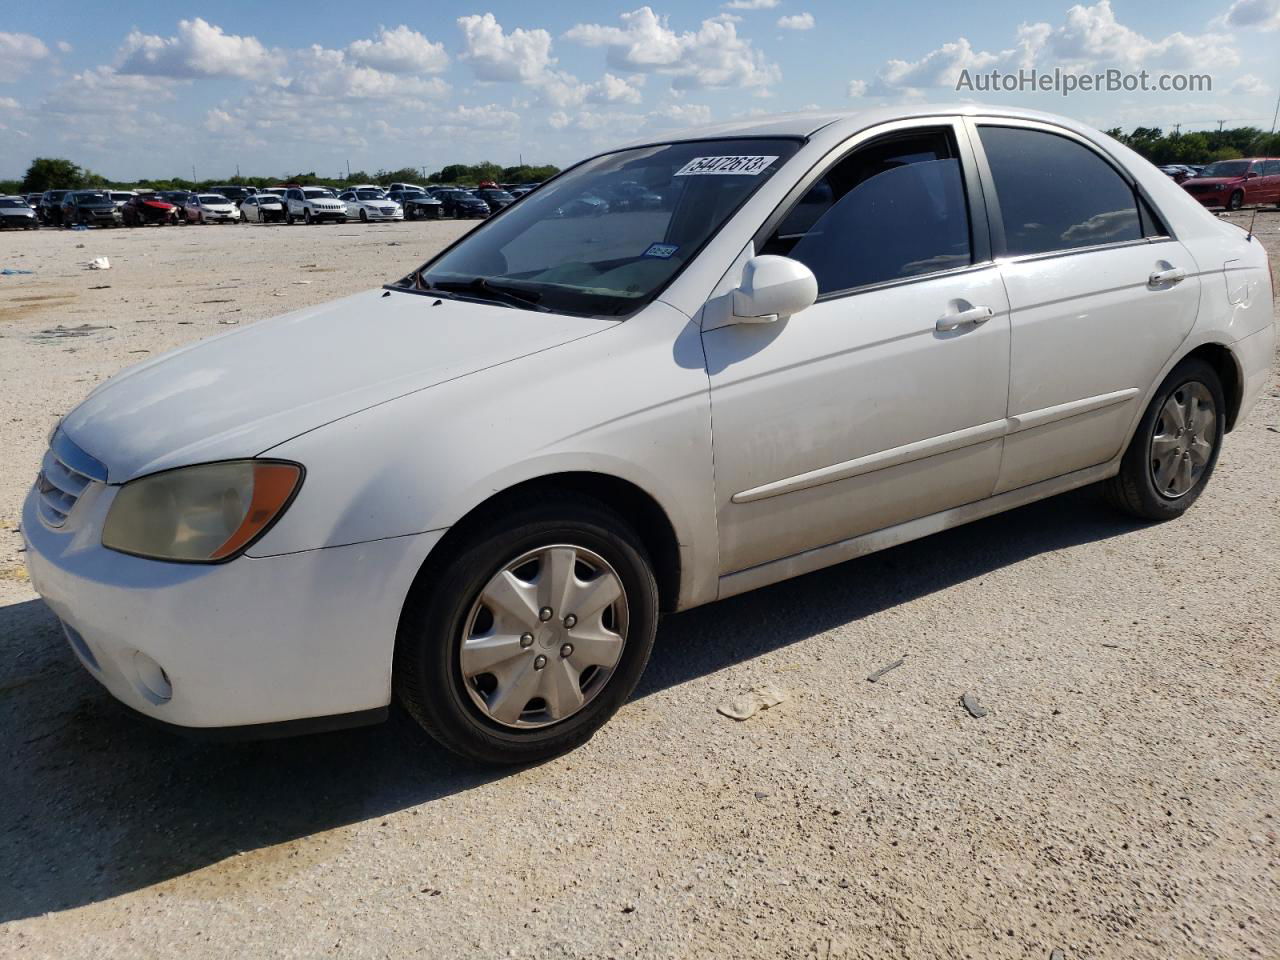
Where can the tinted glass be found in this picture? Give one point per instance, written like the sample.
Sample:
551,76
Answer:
1272,168
6,202
1056,194
566,250
892,210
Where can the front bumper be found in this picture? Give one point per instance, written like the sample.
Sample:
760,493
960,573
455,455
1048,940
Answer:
255,641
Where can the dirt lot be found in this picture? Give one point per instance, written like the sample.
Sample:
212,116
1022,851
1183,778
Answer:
1119,800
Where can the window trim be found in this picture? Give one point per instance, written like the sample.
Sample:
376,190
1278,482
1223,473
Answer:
995,219
980,245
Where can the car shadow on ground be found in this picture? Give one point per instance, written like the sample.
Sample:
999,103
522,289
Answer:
96,803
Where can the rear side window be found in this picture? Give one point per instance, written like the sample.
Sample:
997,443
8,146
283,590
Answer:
1056,194
891,210
1272,168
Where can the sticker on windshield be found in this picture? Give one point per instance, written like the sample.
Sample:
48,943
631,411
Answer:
724,166
663,251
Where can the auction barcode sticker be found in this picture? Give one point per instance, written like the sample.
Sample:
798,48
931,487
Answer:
724,166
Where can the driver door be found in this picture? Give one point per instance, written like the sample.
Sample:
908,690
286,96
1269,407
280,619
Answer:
885,400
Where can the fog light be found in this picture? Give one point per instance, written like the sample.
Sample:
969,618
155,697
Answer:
153,682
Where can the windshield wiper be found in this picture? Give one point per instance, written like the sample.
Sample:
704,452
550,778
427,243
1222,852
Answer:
484,288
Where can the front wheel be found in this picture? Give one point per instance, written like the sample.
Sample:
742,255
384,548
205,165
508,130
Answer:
1175,448
531,635
1236,201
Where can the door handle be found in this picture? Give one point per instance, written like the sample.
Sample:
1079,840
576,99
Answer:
974,316
1172,275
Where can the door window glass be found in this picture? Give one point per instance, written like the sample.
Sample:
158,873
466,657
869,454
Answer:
891,210
1056,194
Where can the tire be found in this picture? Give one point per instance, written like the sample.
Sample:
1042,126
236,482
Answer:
364,216
1236,200
445,606
1138,488
288,219
307,218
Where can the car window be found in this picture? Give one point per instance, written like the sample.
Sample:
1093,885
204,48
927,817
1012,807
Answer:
1055,193
893,209
1273,168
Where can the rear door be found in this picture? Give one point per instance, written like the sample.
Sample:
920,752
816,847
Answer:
1100,295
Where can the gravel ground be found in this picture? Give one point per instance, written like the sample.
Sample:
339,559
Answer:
1118,800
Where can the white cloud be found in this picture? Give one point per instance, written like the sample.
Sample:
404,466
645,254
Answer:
713,56
798,21
1251,15
104,91
1089,38
1250,86
63,46
611,89
681,114
319,73
400,51
751,4
200,49
857,88
18,51
8,103
496,55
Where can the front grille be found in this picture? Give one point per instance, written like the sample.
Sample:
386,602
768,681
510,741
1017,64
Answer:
65,472
1199,187
388,210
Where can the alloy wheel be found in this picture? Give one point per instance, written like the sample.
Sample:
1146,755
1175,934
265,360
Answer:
543,637
1183,441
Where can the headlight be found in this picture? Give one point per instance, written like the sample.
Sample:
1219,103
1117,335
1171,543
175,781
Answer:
203,514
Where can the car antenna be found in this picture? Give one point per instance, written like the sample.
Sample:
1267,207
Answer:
1274,116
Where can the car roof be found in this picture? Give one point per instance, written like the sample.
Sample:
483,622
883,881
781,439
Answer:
807,123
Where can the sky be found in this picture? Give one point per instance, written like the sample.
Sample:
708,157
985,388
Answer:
153,89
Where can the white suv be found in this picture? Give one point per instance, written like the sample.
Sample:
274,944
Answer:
313,205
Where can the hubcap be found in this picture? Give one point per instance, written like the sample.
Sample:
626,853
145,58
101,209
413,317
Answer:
544,636
1185,434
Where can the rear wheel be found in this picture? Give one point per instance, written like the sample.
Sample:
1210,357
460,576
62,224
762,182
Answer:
531,636
364,216
1236,200
1175,448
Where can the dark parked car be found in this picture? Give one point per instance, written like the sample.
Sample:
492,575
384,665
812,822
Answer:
50,208
494,198
587,205
91,208
14,212
1236,183
459,203
235,194
144,208
417,203
630,195
33,200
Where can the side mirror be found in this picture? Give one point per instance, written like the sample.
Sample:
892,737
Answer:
772,288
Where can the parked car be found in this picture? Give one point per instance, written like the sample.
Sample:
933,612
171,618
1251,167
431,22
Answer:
368,202
262,208
345,502
144,208
1236,183
90,208
233,193
459,203
1177,171
210,208
418,204
33,200
495,199
16,212
629,195
313,205
49,210
121,197
583,205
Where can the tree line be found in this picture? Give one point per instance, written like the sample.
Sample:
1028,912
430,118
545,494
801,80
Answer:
1200,146
55,173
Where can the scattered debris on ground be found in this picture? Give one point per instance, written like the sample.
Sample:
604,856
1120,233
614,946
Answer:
883,670
976,710
747,705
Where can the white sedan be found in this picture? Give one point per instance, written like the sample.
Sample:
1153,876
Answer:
262,208
477,487
367,202
210,208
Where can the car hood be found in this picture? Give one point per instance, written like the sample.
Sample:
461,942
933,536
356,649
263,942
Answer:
239,394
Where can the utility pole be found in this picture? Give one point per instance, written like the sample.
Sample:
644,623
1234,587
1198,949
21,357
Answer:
1177,129
1220,123
348,169
237,171
193,174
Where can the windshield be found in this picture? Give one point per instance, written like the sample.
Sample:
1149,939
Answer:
212,198
566,249
121,196
497,194
1226,168
92,197
6,202
313,192
370,194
